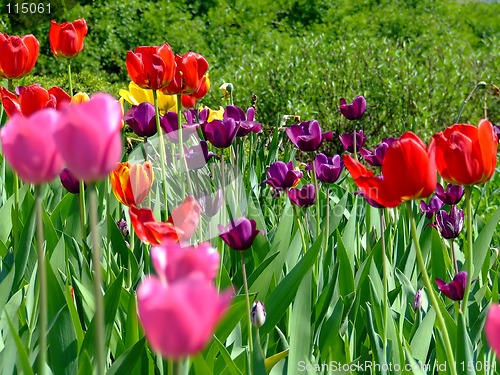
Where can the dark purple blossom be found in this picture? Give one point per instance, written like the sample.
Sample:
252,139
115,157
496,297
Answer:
245,121
240,233
355,110
303,197
328,169
452,195
455,289
376,156
220,133
283,175
307,136
430,209
417,300
141,119
69,181
450,225
170,126
197,156
123,227
347,140
211,203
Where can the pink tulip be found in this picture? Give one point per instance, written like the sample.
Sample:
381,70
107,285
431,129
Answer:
492,327
29,147
173,262
89,137
180,308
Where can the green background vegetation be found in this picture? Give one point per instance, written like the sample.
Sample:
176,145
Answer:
415,61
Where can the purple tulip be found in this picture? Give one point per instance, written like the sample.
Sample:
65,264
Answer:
211,203
452,195
368,200
69,181
496,129
328,169
282,175
190,116
123,227
417,300
197,156
347,140
430,209
220,133
454,289
304,197
141,119
170,126
307,136
240,233
355,110
375,157
450,225
245,121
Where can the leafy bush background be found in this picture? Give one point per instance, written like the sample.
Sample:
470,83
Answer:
415,61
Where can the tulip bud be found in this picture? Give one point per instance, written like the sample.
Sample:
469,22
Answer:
123,226
227,90
258,314
417,300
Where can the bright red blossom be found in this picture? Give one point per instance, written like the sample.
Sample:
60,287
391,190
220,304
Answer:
66,39
408,172
189,75
17,55
466,154
151,67
32,98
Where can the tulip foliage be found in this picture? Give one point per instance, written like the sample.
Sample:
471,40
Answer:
229,246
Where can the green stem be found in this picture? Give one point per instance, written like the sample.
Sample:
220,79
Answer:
181,147
163,156
70,79
355,146
469,260
249,311
468,98
316,187
99,302
301,230
432,295
327,224
42,279
385,281
83,212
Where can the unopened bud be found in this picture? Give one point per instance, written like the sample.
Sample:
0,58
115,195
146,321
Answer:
417,300
258,314
227,89
123,226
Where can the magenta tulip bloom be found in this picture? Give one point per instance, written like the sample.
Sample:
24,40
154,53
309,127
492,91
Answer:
328,169
29,147
220,133
197,156
170,126
211,203
89,137
354,111
304,197
245,121
433,207
240,233
376,156
450,225
282,175
492,327
455,289
452,195
141,119
307,136
347,140
180,307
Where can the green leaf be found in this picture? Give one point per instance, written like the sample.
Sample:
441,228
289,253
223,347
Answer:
227,358
482,243
126,363
271,361
421,341
22,253
464,350
346,273
22,355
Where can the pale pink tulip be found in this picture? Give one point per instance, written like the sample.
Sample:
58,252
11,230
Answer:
29,147
180,308
173,262
89,137
492,327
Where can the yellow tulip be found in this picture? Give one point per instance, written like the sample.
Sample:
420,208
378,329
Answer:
137,95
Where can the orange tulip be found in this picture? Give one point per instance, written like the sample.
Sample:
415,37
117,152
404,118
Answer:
465,154
408,172
189,75
66,39
180,226
17,55
131,184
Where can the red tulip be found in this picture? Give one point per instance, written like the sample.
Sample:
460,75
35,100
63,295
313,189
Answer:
408,172
66,39
151,67
189,75
32,98
17,55
465,154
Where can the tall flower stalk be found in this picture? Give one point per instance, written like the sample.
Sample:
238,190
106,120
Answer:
430,290
163,156
469,256
42,279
